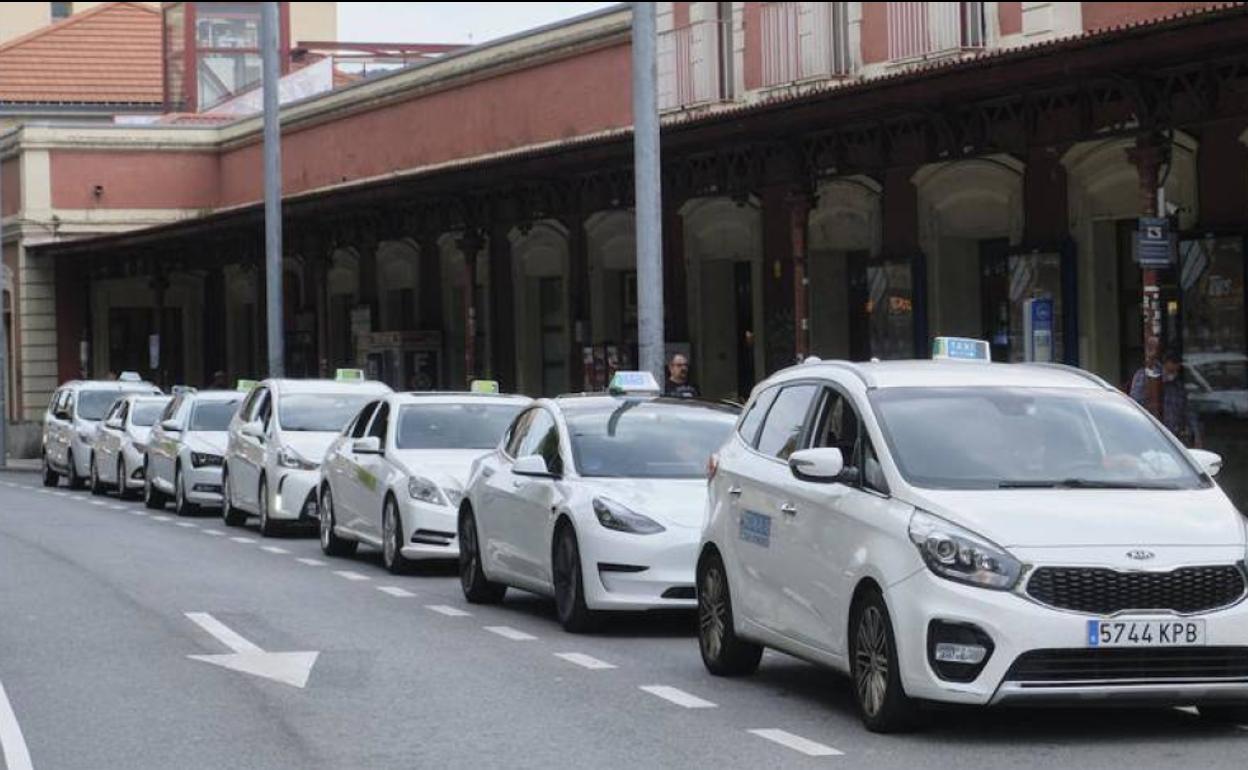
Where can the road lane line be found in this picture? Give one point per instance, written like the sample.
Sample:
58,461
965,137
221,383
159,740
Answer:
161,518
311,562
188,525
100,503
507,632
12,744
679,697
401,593
450,612
213,532
797,743
349,575
221,633
138,513
246,540
584,661
118,507
273,549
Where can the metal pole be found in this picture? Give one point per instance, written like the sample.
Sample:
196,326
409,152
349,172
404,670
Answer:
4,340
649,203
272,189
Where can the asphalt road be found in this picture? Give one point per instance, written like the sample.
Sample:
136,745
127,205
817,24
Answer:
102,603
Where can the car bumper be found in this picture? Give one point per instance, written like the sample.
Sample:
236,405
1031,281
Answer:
203,486
134,467
638,572
430,531
1017,626
294,496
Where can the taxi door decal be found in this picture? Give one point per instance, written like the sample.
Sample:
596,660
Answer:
755,528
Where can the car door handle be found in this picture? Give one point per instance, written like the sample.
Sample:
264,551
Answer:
789,509
734,491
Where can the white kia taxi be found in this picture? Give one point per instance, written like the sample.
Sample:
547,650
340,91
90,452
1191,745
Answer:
396,476
596,500
120,443
70,422
276,441
976,533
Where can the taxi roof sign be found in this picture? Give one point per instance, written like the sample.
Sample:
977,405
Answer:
245,386
349,375
961,349
483,386
129,377
633,384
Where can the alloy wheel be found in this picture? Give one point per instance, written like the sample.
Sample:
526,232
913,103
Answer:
712,612
326,518
389,537
871,660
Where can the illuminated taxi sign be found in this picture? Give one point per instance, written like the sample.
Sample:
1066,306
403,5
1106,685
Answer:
483,386
960,349
246,386
349,375
633,384
129,377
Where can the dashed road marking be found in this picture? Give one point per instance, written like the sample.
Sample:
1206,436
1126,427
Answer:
514,634
12,744
100,503
213,532
311,562
679,697
349,575
584,661
117,507
450,612
797,743
188,525
161,518
401,593
137,513
244,540
273,549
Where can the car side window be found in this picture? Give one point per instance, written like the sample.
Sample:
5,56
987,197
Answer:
264,408
67,405
381,423
754,417
839,425
244,412
171,409
872,471
360,423
542,438
54,406
517,432
783,427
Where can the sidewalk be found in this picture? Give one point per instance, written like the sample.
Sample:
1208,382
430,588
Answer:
23,466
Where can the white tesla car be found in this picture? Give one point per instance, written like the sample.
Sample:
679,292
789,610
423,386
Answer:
120,443
595,500
395,477
973,533
277,440
187,449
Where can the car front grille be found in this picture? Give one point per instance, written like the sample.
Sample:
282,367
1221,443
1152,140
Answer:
1102,591
1142,665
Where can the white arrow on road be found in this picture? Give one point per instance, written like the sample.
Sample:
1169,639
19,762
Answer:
292,668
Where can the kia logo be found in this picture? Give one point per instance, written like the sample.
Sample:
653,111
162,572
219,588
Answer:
1140,555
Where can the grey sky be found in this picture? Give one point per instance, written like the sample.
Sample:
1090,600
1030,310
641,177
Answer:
448,22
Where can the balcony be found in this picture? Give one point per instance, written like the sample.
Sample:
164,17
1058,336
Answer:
929,30
690,65
804,41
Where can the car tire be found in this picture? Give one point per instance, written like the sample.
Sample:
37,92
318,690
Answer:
233,517
181,505
153,498
1225,713
392,540
269,527
72,479
97,486
331,543
723,652
568,573
50,477
478,589
875,676
123,489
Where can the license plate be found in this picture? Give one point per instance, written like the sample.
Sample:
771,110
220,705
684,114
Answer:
1146,633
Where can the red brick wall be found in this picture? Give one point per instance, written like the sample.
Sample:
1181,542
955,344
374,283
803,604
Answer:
753,65
10,177
157,180
1010,17
874,32
680,15
1101,15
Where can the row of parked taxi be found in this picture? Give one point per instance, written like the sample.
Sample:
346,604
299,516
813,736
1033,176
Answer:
949,530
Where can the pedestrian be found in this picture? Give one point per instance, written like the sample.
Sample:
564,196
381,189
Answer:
1178,417
678,385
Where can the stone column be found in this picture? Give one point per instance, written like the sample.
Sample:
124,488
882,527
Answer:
1148,156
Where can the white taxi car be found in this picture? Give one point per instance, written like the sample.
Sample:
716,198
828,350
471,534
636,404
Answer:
276,442
973,533
187,449
70,422
597,500
395,477
120,443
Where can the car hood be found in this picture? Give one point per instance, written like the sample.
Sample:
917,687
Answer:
1063,518
311,445
679,503
445,467
208,442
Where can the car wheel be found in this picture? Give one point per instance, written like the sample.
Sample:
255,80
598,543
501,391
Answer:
478,589
123,475
97,486
574,615
1225,713
72,479
268,527
232,516
392,540
882,702
181,505
153,498
50,477
331,544
723,652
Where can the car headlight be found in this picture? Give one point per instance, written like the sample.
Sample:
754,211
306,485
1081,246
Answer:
205,460
961,555
621,518
424,490
289,458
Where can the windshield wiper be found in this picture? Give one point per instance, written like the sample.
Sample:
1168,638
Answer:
1083,484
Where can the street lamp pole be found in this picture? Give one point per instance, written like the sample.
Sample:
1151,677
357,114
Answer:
4,338
648,204
272,188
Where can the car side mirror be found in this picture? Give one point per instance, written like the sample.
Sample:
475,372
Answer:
114,424
254,429
171,426
369,445
533,465
1210,462
825,465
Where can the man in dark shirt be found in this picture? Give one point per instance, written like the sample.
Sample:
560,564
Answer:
678,385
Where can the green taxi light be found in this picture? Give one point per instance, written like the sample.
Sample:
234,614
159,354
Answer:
483,386
246,386
349,375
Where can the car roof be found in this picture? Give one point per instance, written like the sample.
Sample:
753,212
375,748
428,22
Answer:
459,397
138,397
217,395
944,374
116,385
599,401
370,387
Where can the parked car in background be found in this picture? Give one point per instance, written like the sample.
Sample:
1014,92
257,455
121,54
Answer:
70,422
187,450
117,459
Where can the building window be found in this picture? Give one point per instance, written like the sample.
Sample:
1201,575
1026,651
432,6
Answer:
61,10
802,41
691,64
212,52
917,30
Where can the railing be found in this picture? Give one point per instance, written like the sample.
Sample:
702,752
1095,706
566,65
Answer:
804,40
690,65
930,29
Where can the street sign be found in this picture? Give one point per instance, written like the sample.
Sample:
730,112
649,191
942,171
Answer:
1154,242
1038,329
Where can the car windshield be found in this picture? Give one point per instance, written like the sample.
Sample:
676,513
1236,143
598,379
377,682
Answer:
320,412
213,415
1004,437
647,439
144,414
453,426
94,404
